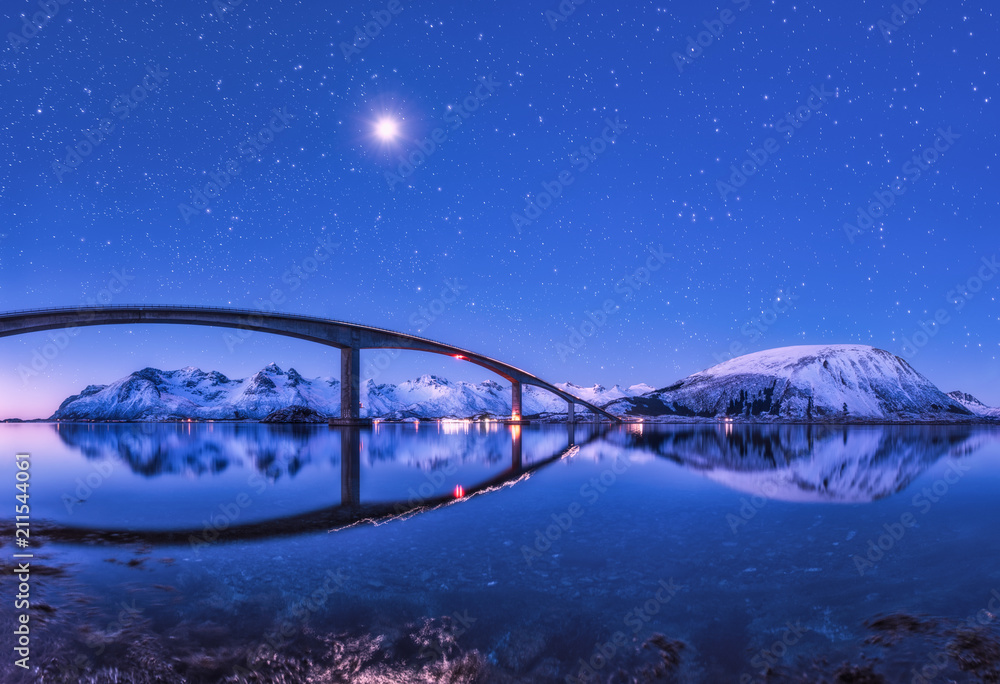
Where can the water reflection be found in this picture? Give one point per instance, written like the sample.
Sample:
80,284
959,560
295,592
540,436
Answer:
394,470
161,453
809,463
543,566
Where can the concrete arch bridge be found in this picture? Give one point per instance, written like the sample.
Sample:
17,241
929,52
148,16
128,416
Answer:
350,338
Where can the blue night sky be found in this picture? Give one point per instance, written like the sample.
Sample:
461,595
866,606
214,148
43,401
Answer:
605,106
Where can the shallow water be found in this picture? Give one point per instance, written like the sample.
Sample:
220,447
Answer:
457,552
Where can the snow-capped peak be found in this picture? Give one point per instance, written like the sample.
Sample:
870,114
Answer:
973,404
842,382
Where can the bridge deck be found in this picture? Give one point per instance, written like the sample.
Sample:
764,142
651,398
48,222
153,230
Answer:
349,337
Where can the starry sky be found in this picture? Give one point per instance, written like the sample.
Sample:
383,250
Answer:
492,174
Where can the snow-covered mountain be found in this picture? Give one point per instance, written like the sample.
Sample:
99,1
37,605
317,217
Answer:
838,383
823,383
152,394
973,404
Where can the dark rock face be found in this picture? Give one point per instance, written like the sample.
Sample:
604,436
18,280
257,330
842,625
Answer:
260,384
294,414
966,398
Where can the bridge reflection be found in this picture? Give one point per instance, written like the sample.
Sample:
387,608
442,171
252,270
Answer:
350,511
350,464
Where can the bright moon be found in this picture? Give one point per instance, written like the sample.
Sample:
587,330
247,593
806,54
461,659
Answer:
386,129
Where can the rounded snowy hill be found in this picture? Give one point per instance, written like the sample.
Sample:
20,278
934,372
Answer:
842,382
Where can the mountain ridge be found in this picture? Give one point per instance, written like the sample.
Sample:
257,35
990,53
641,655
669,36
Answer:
271,393
813,383
818,383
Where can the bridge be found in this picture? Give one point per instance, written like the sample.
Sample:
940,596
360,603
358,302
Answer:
350,338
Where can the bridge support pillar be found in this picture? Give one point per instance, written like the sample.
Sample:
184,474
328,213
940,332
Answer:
350,467
571,412
515,405
350,389
516,464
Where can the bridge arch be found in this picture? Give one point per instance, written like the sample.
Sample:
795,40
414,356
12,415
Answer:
350,338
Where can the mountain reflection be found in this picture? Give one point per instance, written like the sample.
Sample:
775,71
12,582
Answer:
810,463
154,449
429,467
397,470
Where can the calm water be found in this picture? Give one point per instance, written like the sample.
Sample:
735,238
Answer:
464,553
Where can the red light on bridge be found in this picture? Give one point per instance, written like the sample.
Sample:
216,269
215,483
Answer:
459,357
459,491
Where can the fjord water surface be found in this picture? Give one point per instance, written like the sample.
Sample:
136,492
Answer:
467,552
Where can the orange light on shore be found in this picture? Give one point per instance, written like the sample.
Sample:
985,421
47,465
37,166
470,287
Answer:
459,491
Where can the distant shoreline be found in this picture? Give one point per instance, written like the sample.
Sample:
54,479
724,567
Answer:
626,420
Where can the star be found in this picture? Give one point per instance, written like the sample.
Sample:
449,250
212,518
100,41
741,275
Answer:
387,129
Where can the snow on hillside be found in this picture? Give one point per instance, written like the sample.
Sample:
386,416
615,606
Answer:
822,382
536,400
840,383
152,394
973,404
